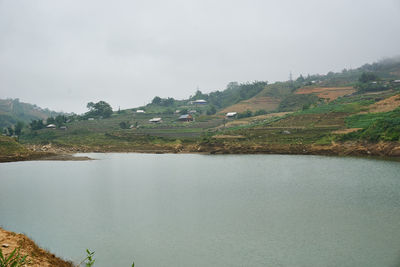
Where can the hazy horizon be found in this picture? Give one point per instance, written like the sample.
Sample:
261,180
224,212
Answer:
63,54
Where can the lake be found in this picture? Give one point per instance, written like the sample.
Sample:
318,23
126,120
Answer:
202,210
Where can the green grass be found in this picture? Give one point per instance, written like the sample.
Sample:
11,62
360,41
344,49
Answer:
384,126
365,120
9,146
338,107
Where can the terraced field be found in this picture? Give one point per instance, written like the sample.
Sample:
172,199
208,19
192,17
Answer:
385,105
328,93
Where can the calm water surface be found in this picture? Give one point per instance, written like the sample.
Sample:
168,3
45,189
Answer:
195,210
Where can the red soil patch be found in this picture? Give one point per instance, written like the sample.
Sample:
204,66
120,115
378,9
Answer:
329,93
254,104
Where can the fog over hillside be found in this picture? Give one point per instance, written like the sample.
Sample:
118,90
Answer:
64,54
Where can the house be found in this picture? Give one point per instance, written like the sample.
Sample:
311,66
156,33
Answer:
51,126
186,117
199,102
396,81
63,127
140,111
192,111
90,119
231,114
155,120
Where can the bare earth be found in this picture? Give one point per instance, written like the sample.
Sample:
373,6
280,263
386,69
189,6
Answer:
346,131
254,104
385,105
329,93
36,256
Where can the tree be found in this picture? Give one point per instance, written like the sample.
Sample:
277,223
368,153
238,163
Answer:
36,124
300,79
367,77
156,100
211,110
18,128
50,120
10,131
60,120
100,108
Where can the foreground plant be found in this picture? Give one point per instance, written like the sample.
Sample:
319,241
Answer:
89,260
15,259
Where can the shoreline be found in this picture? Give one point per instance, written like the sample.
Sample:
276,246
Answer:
382,150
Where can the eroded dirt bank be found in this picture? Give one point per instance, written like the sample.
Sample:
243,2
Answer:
387,149
382,149
36,256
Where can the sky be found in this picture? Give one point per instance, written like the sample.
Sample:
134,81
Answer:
62,54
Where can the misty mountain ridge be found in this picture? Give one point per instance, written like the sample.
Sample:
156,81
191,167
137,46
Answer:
12,111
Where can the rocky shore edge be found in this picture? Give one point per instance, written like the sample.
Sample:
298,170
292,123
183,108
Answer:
53,152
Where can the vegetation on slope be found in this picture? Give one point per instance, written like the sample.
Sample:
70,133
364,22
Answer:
12,111
319,114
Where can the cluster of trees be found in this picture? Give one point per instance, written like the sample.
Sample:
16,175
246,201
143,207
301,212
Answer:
59,120
165,102
211,110
233,94
249,113
14,130
36,125
99,109
370,82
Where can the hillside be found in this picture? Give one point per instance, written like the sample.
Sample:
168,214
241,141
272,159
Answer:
12,111
350,112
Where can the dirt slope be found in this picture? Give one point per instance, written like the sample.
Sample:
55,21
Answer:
385,105
37,256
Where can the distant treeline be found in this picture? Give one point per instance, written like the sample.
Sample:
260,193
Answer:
233,94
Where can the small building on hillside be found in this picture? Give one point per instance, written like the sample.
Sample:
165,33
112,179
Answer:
186,117
199,102
63,127
140,111
396,81
231,114
155,120
51,126
193,111
90,119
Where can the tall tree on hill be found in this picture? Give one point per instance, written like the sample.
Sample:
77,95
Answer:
18,128
100,108
156,100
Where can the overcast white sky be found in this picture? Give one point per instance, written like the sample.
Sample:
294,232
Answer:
62,54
